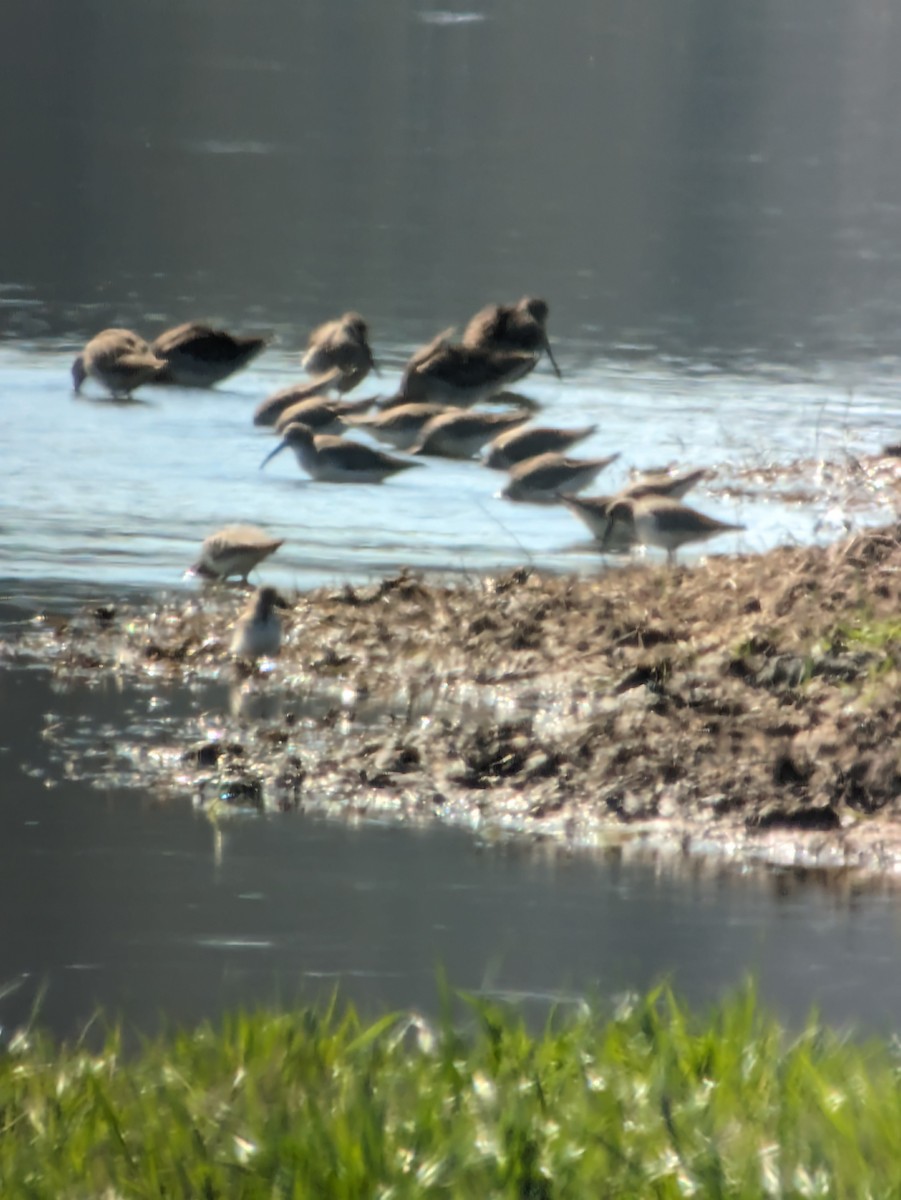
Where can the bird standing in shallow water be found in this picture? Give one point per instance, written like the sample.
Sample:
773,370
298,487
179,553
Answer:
519,326
548,477
461,433
234,550
446,373
268,411
119,360
258,631
321,414
401,426
336,459
519,444
197,355
663,522
306,397
338,352
595,510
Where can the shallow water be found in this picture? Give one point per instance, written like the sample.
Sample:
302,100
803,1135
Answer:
708,197
139,904
116,495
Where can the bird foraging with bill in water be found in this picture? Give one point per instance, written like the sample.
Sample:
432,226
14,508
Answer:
234,550
119,360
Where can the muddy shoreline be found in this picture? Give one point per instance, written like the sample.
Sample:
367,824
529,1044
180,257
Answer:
746,708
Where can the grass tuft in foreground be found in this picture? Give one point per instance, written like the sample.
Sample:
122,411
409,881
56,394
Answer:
648,1100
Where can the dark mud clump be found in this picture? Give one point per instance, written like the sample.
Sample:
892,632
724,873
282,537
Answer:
747,705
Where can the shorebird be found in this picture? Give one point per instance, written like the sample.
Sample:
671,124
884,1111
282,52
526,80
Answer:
595,510
258,631
447,373
321,414
661,483
663,522
340,351
546,478
519,444
519,326
400,427
268,411
459,433
119,360
198,355
336,459
234,550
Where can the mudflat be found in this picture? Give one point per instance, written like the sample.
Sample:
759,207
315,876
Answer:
746,706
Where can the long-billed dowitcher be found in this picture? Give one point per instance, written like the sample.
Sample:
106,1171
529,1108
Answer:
519,444
258,631
460,433
519,326
332,459
339,350
323,414
234,550
546,478
198,355
268,411
400,427
663,522
119,360
595,510
447,373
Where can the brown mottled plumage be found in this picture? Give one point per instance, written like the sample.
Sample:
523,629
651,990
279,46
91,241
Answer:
322,414
337,459
400,426
340,350
519,326
663,522
119,360
460,433
268,411
234,550
519,444
595,510
443,372
546,478
197,355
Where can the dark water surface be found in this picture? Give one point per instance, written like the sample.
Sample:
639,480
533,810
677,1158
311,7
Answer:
707,194
141,905
694,178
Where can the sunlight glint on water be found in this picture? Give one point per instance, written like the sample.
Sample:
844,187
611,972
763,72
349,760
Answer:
123,494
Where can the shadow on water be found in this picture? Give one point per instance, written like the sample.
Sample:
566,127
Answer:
136,902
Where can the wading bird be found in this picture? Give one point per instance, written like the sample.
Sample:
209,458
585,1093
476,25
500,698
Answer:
234,550
331,459
197,355
119,360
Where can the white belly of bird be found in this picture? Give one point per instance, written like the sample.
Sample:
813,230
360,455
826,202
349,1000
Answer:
652,532
257,639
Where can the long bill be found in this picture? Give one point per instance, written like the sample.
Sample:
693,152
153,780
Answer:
272,453
608,530
549,352
79,374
